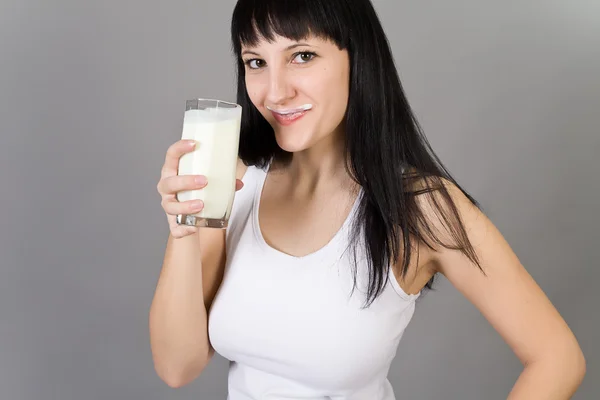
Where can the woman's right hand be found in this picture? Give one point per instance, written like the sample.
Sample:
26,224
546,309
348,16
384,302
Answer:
170,184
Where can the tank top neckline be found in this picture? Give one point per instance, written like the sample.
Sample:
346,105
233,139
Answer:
337,237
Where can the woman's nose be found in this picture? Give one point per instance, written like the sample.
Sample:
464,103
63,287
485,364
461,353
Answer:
280,88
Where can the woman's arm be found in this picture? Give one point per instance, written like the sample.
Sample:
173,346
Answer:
178,319
515,306
191,275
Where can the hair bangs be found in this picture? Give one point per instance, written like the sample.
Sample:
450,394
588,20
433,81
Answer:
254,20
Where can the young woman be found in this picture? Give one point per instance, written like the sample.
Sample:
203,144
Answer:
344,218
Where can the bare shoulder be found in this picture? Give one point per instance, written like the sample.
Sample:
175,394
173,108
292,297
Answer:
456,221
445,208
422,266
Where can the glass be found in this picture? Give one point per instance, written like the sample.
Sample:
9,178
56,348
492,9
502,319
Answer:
215,126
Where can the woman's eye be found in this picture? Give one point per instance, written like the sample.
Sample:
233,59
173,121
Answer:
254,63
304,57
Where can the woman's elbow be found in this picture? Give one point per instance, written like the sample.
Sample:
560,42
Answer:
178,376
579,365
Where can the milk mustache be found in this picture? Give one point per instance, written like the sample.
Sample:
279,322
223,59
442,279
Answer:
217,133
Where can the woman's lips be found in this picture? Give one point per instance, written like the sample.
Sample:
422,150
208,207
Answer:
288,119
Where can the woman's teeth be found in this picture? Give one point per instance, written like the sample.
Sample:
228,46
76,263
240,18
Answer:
298,110
289,118
291,115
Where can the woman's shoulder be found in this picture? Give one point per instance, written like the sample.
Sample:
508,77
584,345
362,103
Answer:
418,182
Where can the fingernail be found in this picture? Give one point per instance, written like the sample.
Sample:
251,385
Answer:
200,180
192,143
197,205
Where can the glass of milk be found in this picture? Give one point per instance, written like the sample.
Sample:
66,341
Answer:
215,126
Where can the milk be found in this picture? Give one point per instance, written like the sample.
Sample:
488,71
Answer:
217,132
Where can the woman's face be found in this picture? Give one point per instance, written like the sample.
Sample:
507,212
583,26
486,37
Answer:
300,88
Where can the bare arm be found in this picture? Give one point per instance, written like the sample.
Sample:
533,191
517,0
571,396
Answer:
516,307
178,314
190,277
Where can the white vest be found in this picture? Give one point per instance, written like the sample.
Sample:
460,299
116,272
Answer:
290,325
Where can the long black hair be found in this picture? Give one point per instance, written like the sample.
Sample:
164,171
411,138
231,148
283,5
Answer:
387,154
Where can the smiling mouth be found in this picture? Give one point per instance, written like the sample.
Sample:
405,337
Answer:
287,119
291,115
290,111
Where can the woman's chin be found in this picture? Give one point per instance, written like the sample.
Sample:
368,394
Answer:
291,145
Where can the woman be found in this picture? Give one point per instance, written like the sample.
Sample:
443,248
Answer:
344,218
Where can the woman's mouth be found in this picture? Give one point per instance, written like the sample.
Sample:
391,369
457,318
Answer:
288,119
289,116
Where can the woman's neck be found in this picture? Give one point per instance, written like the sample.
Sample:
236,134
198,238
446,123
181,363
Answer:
321,166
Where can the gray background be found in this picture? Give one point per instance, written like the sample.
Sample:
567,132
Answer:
92,94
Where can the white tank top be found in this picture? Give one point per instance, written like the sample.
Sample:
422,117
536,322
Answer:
290,325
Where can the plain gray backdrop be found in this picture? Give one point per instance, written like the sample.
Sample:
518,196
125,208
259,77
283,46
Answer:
92,94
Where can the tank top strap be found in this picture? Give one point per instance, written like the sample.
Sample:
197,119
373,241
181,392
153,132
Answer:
244,198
